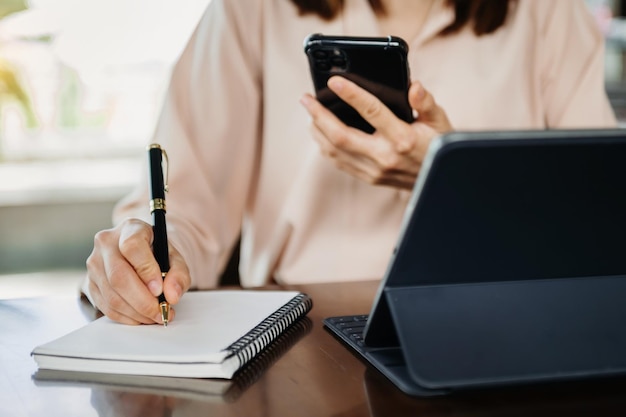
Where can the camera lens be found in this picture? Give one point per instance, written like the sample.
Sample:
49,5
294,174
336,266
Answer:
338,61
322,65
320,54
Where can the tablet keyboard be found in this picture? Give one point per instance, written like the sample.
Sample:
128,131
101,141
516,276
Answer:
349,328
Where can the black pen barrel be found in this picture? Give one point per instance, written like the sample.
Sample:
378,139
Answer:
159,244
157,207
157,184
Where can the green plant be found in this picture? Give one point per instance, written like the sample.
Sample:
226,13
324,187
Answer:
11,88
8,7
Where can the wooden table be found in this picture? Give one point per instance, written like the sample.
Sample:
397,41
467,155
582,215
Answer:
313,375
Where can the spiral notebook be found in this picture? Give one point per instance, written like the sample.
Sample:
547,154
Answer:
214,334
203,389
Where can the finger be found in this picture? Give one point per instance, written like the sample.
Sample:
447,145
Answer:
373,110
116,281
362,167
98,287
177,281
135,245
126,294
337,135
326,147
124,262
429,112
106,308
348,153
324,119
367,157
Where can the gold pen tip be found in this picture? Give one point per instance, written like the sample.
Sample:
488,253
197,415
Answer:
165,312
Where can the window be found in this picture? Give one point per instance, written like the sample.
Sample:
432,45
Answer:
84,79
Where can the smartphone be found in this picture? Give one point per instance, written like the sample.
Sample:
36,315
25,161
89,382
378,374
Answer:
377,64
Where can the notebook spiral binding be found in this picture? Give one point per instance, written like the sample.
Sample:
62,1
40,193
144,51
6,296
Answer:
253,342
253,370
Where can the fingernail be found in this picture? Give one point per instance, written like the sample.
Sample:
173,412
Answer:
155,288
421,93
305,100
178,290
336,84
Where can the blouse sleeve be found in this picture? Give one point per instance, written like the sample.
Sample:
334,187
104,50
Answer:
210,128
571,59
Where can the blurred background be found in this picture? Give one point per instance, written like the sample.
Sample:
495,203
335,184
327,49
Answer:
81,85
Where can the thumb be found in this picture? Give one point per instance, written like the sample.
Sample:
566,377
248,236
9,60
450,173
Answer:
178,280
429,112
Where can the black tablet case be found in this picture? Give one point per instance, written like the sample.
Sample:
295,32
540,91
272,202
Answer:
511,264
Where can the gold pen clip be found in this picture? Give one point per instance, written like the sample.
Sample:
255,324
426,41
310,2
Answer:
167,170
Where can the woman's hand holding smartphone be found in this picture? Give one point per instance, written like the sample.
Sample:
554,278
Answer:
370,132
379,65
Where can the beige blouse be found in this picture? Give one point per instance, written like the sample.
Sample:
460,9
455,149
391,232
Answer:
242,156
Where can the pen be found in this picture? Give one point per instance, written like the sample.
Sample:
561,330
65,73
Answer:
158,188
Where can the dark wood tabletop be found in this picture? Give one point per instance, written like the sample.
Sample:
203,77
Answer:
307,373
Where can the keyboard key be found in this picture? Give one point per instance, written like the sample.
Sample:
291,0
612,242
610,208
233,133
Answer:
353,330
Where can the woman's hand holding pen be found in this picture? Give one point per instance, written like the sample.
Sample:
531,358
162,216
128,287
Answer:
393,154
124,277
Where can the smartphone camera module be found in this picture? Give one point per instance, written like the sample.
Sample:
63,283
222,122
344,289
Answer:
330,60
338,61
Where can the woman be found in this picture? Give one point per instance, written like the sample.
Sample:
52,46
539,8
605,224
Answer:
243,159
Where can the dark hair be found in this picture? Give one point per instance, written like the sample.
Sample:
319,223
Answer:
486,16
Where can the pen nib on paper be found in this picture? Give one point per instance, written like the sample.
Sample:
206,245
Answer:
165,312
